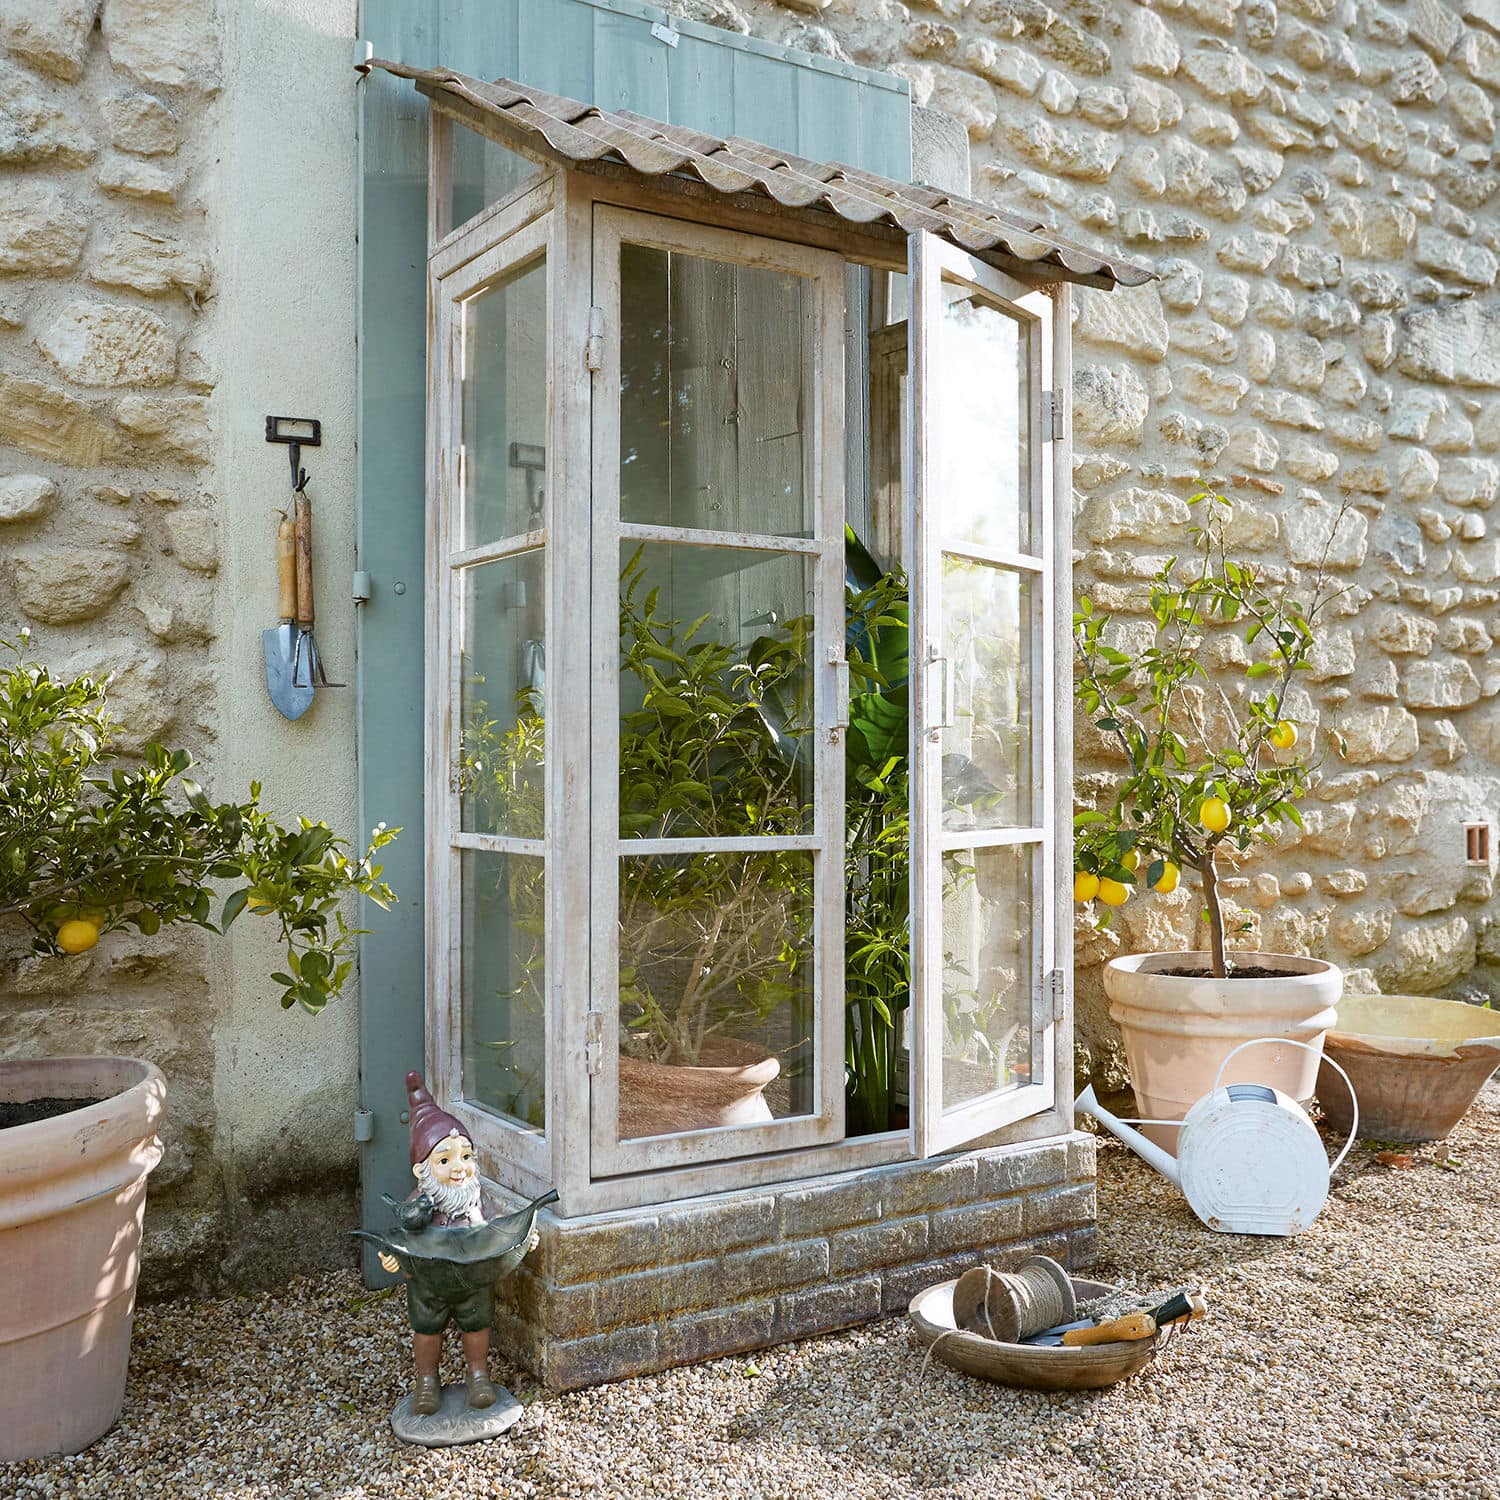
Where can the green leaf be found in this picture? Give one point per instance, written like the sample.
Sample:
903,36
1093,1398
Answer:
234,904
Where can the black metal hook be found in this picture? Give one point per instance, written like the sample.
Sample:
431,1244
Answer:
295,432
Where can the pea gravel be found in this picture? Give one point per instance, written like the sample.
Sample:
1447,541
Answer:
1358,1360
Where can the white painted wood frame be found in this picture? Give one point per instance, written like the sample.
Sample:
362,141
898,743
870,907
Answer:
933,263
824,341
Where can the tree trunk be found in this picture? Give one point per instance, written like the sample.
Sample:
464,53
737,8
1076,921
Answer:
1215,915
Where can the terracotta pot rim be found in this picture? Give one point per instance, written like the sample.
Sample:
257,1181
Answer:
1291,967
145,1095
756,1061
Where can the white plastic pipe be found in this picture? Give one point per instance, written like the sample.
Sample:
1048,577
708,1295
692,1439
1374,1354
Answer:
1148,1151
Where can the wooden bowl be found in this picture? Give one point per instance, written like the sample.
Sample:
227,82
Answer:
1035,1366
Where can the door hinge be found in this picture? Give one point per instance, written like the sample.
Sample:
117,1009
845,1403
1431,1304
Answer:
360,587
1052,418
593,352
593,1042
364,1126
1057,993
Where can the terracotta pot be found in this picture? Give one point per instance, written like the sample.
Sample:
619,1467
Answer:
72,1195
1417,1064
725,1087
1178,1031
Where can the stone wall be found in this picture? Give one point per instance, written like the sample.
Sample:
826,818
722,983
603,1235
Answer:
1315,181
130,540
628,1293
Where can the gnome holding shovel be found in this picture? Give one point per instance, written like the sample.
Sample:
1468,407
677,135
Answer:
450,1252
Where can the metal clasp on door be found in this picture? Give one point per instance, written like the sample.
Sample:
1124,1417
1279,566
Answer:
840,664
946,697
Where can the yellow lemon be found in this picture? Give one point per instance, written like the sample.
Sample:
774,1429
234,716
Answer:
1214,814
1131,860
1113,893
1085,886
1284,735
1166,882
77,935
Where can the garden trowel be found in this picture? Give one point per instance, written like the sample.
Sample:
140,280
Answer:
291,697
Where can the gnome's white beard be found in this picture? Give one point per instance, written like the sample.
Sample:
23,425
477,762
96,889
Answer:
460,1201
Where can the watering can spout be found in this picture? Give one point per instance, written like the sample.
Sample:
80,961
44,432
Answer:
1148,1151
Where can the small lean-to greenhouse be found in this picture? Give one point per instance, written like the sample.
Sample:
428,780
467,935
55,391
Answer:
748,708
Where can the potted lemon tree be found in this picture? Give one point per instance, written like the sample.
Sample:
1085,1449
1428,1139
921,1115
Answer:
90,845
1212,769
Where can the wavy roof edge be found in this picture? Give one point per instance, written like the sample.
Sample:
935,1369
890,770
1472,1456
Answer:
577,134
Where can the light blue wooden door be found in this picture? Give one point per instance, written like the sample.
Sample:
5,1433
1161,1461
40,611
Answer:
604,51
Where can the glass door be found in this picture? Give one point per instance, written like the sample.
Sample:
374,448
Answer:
720,695
982,924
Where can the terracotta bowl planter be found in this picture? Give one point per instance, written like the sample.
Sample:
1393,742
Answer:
1417,1064
1178,1030
726,1087
72,1195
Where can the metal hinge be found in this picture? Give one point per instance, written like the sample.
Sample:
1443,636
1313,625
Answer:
360,588
664,31
1052,418
364,1126
593,1042
1057,991
593,352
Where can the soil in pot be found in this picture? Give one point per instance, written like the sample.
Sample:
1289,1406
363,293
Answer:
29,1111
1250,971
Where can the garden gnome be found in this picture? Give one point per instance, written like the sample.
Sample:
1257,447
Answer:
443,1162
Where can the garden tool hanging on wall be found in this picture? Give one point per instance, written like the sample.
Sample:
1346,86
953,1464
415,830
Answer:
294,669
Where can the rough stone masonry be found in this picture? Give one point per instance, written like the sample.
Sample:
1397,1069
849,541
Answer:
1315,182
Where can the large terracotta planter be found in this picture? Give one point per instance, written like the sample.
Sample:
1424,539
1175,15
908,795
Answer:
1178,1030
1417,1064
726,1087
72,1196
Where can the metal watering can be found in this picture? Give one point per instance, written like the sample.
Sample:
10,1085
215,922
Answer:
1248,1159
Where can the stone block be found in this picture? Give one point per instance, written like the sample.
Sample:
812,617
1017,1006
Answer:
1153,516
835,1205
52,35
36,127
635,1298
1010,67
130,177
60,584
152,264
1075,152
1020,1169
743,1275
696,1229
712,1335
1470,481
888,1243
1422,960
169,42
193,536
173,426
1128,318
42,230
820,1309
24,497
575,1363
1386,734
1109,404
588,1250
1453,343
137,688
1150,46
1152,107
900,1284
1062,1208
140,123
1318,532
976,1224
916,1187
105,344
48,422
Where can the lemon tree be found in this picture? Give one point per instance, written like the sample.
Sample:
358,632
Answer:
1210,763
91,843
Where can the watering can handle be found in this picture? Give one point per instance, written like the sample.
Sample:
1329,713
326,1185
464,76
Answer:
1286,1041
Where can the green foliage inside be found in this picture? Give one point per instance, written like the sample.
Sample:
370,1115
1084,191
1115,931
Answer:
1184,738
86,837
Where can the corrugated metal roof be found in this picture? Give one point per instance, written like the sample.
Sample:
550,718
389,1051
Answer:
574,133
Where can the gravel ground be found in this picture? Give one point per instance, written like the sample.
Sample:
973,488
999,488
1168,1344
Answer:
1357,1360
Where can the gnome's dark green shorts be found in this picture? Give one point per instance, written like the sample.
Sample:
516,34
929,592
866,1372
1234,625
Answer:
430,1309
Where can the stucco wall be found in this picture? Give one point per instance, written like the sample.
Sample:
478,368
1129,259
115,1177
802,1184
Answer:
177,247
1315,181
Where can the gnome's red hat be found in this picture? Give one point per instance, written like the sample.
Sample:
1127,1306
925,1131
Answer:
429,1124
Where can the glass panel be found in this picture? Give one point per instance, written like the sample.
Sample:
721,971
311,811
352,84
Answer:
502,665
716,990
484,172
982,395
988,754
504,407
716,395
987,972
715,692
503,976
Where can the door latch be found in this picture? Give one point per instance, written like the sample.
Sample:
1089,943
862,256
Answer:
593,1042
840,664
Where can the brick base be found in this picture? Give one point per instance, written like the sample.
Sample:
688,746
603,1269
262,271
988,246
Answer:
622,1294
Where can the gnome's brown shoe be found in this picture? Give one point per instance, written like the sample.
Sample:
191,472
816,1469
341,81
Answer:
426,1395
481,1392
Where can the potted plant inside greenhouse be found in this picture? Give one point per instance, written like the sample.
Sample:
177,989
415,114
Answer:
1211,773
91,844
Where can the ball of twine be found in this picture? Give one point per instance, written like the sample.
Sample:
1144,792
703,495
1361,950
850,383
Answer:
1013,1305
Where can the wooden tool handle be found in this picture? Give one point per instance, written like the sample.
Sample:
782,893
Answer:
303,512
286,570
1138,1325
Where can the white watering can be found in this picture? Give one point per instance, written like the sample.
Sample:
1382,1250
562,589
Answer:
1248,1158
